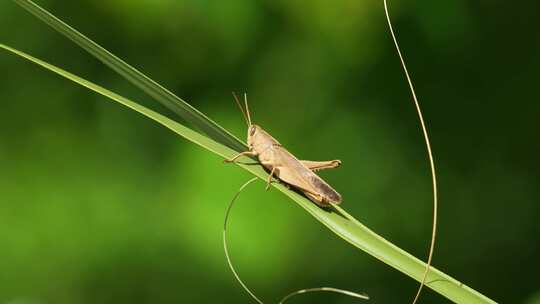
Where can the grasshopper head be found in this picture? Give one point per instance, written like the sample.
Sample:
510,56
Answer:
252,133
259,140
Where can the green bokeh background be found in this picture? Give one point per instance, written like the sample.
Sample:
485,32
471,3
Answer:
101,205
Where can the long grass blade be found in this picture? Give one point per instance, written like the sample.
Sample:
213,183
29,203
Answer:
336,219
143,82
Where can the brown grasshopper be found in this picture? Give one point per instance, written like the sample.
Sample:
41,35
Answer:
299,174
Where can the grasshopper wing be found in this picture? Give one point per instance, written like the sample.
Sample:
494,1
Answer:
296,174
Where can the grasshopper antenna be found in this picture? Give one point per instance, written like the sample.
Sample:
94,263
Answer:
241,109
430,154
237,277
247,109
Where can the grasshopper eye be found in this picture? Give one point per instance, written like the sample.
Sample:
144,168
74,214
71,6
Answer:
252,130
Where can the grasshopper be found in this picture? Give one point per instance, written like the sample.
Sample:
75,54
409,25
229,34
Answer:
299,174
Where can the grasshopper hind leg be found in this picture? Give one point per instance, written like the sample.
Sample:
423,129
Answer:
318,199
321,165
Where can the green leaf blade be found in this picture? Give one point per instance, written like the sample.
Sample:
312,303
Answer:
336,219
221,142
140,80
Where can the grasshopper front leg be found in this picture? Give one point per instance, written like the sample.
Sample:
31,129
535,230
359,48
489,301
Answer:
245,153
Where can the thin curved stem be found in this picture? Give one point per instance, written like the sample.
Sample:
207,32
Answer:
225,247
237,277
430,155
328,289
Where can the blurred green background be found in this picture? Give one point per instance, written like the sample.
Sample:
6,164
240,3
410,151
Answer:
100,205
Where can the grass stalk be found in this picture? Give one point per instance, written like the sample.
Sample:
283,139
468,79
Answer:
219,141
